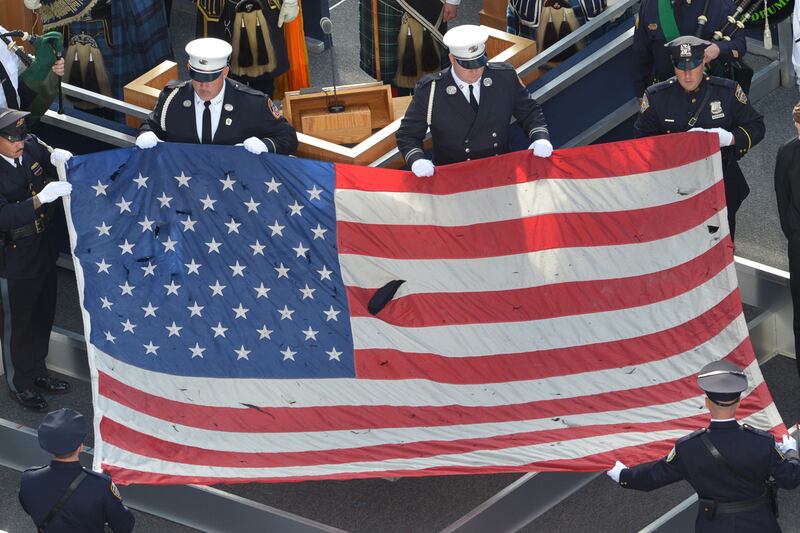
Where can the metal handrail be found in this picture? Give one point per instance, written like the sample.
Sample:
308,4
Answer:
104,101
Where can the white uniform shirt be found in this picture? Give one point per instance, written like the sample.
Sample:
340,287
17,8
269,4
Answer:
464,86
216,112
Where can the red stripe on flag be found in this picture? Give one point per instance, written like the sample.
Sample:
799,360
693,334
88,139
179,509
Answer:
394,364
546,301
524,235
638,156
347,417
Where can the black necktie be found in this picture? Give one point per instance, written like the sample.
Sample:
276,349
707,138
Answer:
206,123
8,88
472,101
17,162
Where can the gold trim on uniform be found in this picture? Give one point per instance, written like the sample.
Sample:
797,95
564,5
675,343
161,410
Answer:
749,141
740,94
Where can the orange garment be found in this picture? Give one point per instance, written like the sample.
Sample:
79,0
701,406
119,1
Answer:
297,77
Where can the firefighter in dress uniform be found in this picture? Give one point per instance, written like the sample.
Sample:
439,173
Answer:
28,187
693,101
211,109
728,464
662,21
63,496
468,107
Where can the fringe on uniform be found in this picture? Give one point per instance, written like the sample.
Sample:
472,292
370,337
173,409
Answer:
415,48
84,67
550,33
250,32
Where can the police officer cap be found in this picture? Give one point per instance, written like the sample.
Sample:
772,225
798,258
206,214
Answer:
207,58
13,125
687,52
722,381
62,431
467,43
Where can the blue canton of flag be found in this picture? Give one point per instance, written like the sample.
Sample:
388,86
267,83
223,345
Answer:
210,261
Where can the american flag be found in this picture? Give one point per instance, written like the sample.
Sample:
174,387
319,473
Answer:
553,314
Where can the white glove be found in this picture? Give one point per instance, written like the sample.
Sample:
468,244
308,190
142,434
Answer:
254,145
53,191
422,168
541,148
33,4
725,137
789,443
615,472
289,12
59,157
147,140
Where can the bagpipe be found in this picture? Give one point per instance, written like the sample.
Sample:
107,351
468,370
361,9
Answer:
38,78
736,70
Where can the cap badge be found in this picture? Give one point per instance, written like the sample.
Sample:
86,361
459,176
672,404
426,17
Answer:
228,107
487,82
451,90
473,48
20,122
203,61
686,50
187,103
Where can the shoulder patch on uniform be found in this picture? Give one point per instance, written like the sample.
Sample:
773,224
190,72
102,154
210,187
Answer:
500,66
759,432
114,490
274,109
671,455
645,104
740,94
690,436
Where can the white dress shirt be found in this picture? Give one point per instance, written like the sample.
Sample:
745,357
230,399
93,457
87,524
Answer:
12,161
216,112
12,65
464,86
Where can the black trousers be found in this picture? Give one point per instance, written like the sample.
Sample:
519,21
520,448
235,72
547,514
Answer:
794,286
27,311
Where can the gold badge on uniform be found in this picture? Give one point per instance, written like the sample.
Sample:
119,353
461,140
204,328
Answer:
652,27
740,94
716,109
115,491
37,169
451,90
645,104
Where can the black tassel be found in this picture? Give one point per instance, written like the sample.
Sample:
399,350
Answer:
74,77
550,34
409,66
91,82
245,54
261,42
563,31
430,53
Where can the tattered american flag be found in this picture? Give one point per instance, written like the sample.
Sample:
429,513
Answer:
553,315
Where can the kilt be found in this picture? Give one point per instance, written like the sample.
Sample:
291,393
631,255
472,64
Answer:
390,16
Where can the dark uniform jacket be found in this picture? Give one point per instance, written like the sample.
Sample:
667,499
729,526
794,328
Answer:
750,450
458,133
95,501
31,256
787,187
651,62
245,113
667,108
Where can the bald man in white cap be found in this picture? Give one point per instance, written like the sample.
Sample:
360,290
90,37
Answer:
468,107
212,109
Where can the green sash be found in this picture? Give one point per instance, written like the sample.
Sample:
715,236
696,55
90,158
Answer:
669,26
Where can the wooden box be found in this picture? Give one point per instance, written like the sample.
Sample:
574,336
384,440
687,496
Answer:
351,126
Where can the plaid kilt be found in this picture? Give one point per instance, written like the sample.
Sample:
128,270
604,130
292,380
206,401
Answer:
390,15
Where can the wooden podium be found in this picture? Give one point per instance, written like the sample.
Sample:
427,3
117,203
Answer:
144,90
